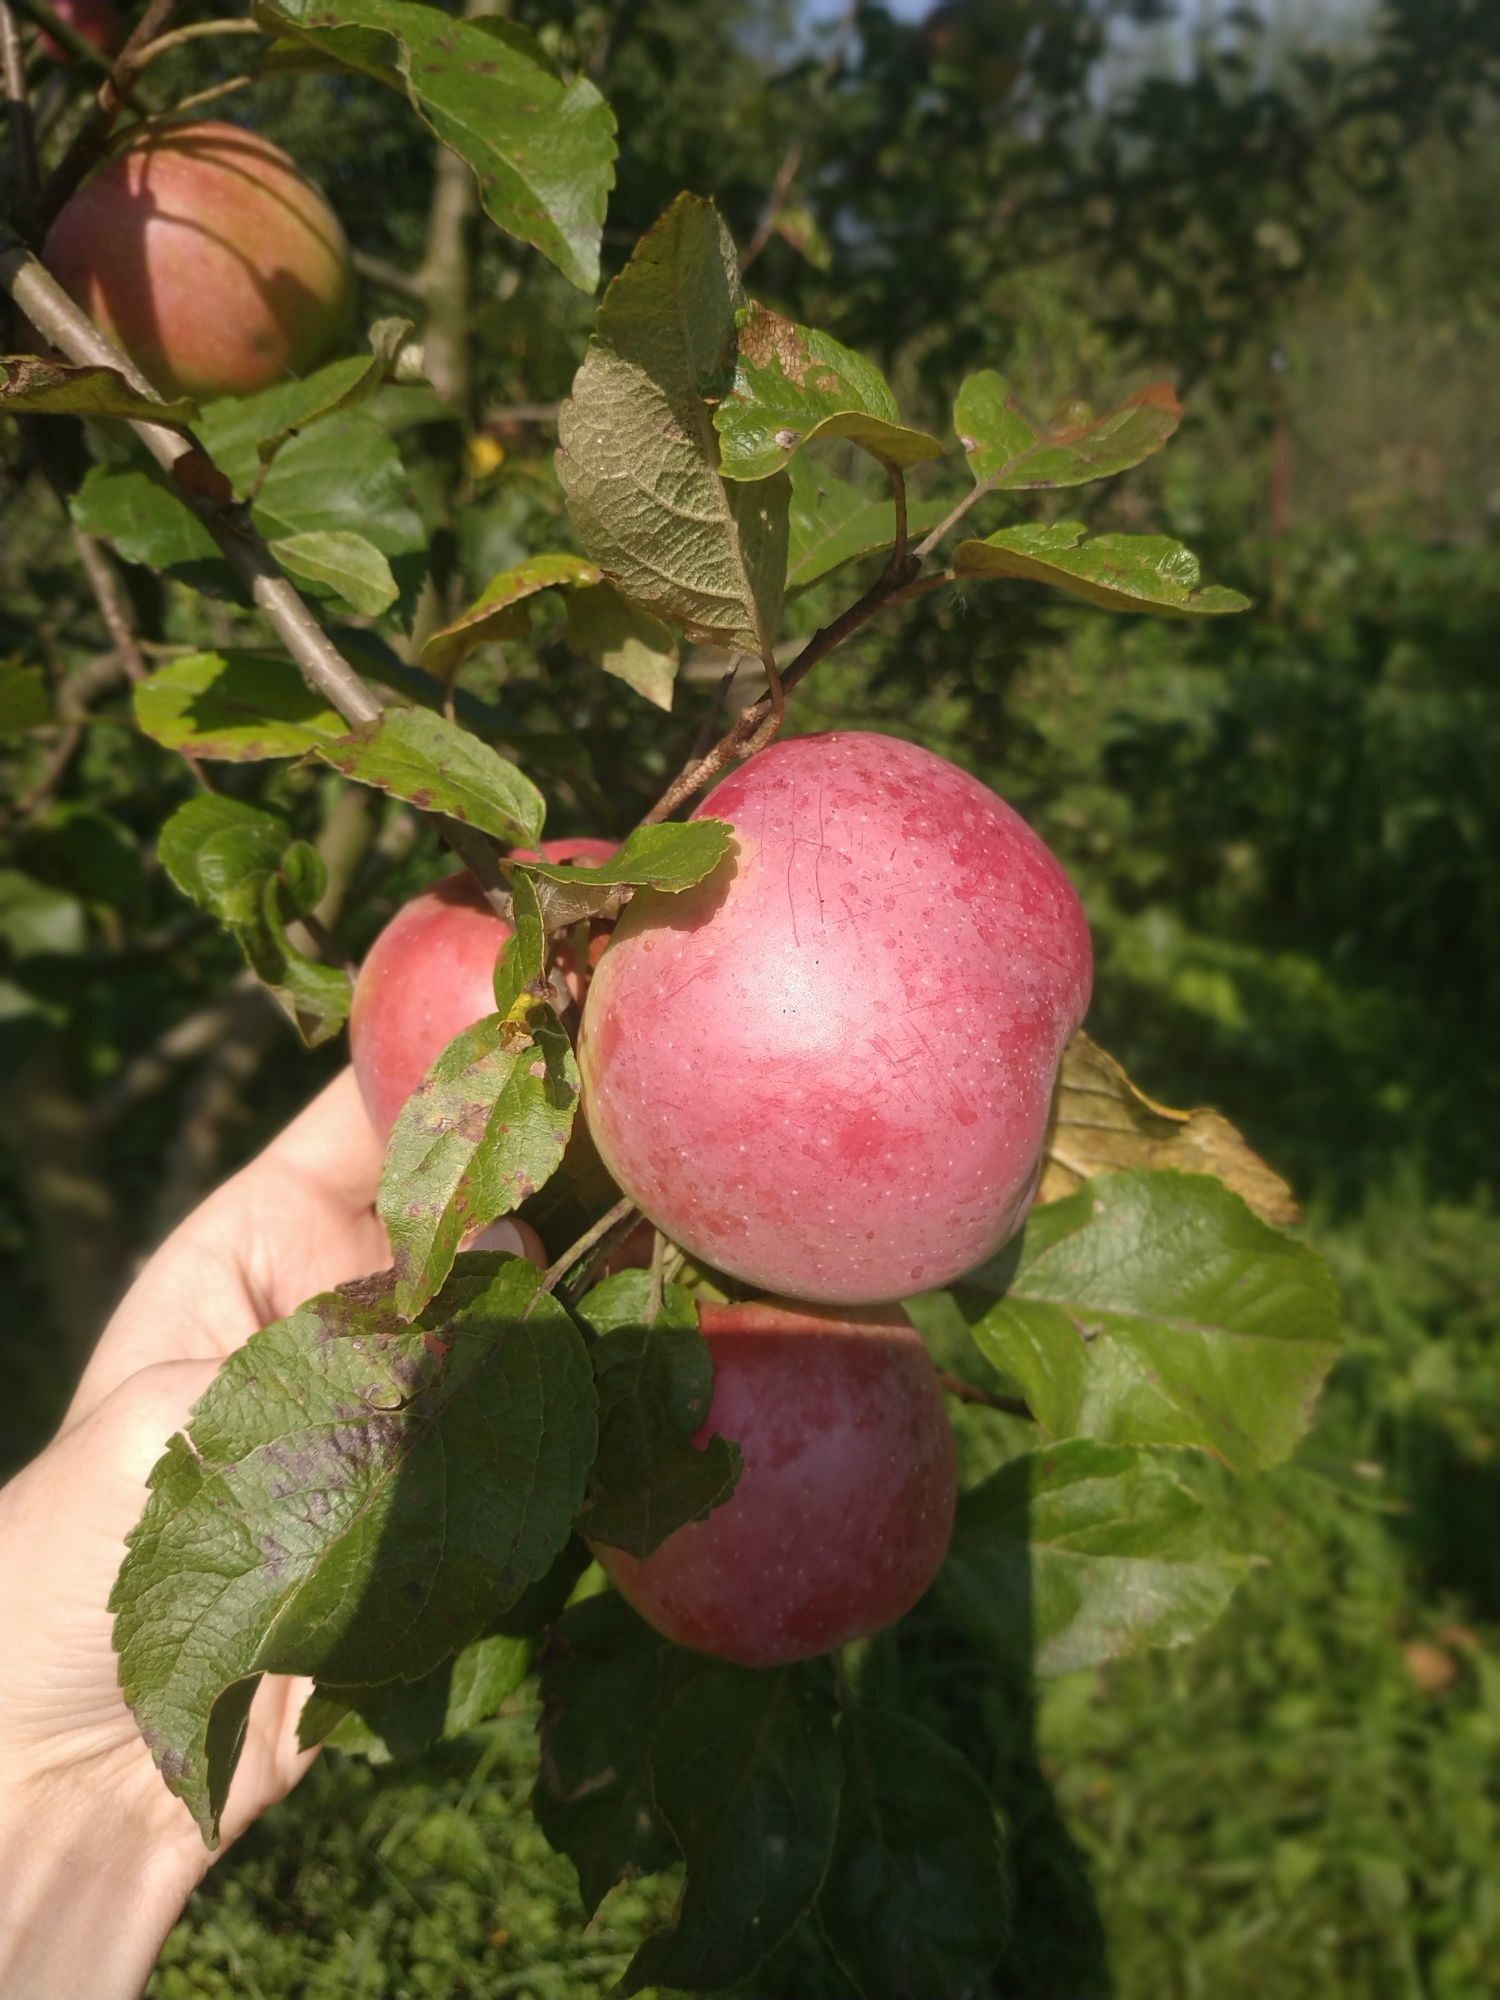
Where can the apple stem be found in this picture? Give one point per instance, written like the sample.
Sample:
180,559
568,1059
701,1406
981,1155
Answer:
623,1210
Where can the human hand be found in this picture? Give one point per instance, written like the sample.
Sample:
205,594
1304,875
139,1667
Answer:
96,1856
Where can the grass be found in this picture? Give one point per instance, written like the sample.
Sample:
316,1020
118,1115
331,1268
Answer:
1304,1805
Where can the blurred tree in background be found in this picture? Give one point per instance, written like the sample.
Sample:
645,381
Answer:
1286,829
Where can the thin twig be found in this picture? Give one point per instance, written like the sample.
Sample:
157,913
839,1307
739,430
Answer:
561,1266
898,494
78,46
970,1392
379,272
201,97
195,30
519,413
109,595
658,1277
951,520
791,160
51,775
89,145
18,114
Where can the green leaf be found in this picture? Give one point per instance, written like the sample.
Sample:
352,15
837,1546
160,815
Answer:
655,1382
602,1674
342,385
146,520
638,455
86,852
485,1128
351,568
403,1718
746,1776
25,699
542,150
343,475
793,385
628,642
834,522
1008,451
31,386
500,611
37,920
243,866
237,705
667,859
519,968
916,1901
433,763
1154,1308
1086,1551
353,1499
1119,572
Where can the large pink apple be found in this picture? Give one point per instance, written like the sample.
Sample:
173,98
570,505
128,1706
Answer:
827,1069
844,1509
95,20
204,252
429,975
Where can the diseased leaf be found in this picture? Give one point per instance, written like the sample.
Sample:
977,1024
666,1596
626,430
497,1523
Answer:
1119,572
667,858
1008,451
1102,1121
1154,1308
433,763
269,1543
655,1382
238,705
834,522
793,385
746,1776
30,386
403,1718
627,642
542,150
602,1672
916,1902
638,455
500,611
1084,1552
485,1128
25,699
519,968
353,569
243,866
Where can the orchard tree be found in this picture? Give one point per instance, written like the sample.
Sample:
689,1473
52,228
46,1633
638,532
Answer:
821,1268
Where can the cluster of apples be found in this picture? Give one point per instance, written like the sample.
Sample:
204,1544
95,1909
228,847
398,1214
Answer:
825,1072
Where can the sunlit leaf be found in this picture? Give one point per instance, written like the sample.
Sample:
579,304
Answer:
626,641
1119,572
500,611
31,386
433,763
1008,451
238,705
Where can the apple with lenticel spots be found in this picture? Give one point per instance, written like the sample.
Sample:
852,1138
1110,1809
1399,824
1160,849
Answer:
827,1069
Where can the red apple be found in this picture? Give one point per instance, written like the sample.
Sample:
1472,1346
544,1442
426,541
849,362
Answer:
203,252
430,974
844,1509
827,1069
95,20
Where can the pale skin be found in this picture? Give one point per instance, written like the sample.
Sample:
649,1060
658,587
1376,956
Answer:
97,1858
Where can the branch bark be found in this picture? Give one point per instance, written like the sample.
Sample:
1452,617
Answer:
18,113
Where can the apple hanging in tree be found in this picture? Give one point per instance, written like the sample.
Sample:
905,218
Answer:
827,1070
95,20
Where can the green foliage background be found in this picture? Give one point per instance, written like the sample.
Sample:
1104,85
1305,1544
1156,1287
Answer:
1285,827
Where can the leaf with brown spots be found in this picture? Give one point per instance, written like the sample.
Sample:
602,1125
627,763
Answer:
1116,572
485,1128
1007,451
30,386
1102,1121
270,1542
502,609
432,763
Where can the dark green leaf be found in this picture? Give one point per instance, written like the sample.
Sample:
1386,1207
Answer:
87,852
144,517
354,1499
241,706
243,866
655,1383
1154,1308
501,611
520,966
1119,572
793,385
668,859
602,1675
484,1129
626,641
403,1718
31,386
638,455
916,1903
433,763
1007,451
542,150
342,385
1085,1551
351,568
25,699
834,522
746,1775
